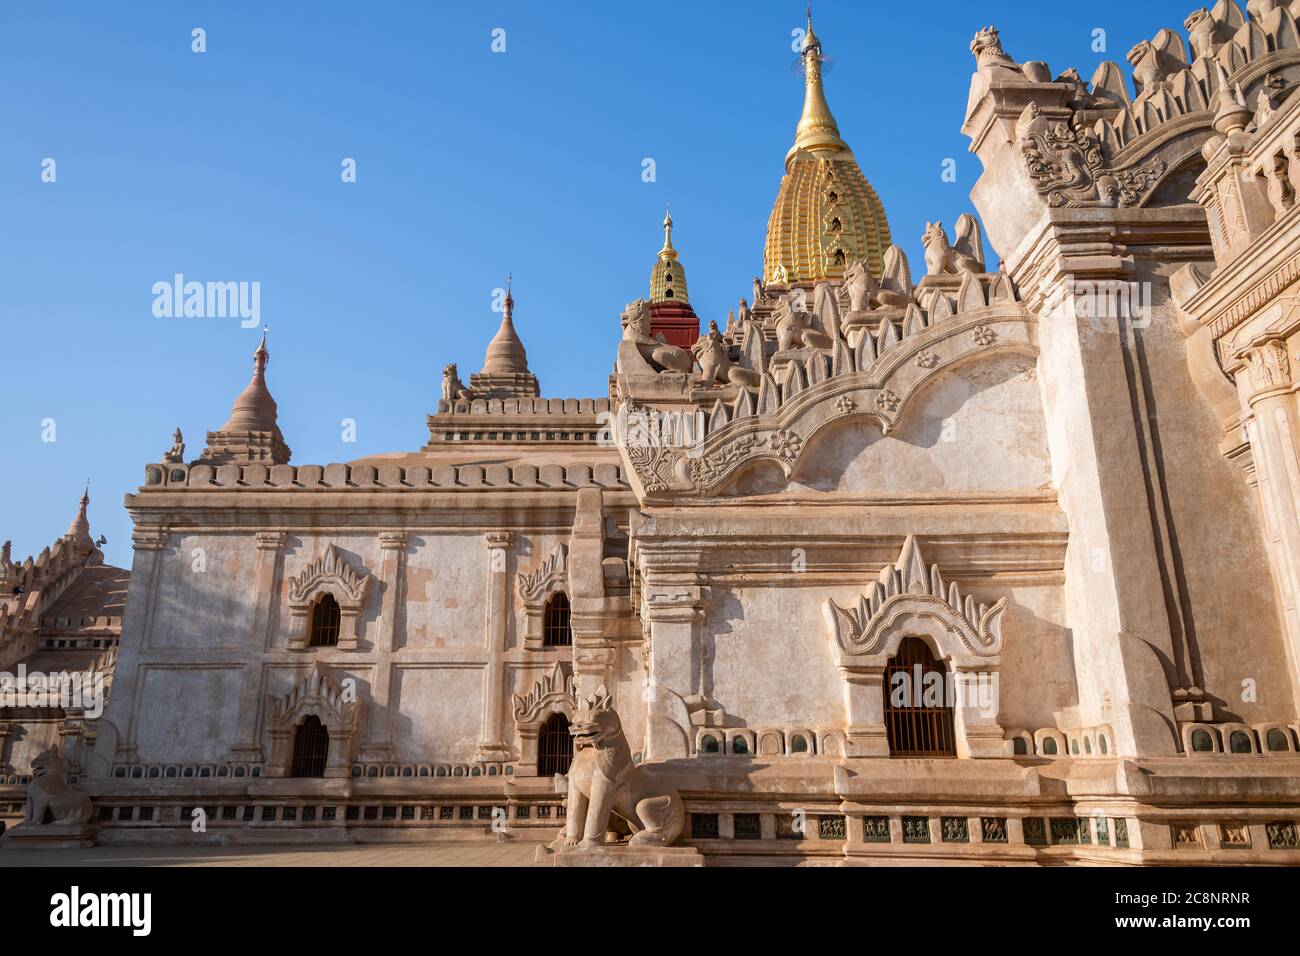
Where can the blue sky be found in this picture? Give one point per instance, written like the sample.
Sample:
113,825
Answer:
471,164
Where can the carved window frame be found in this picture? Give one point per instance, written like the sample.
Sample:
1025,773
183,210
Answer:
314,694
911,599
553,693
536,589
333,574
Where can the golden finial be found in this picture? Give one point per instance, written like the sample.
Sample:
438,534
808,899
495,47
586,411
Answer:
668,252
510,301
817,129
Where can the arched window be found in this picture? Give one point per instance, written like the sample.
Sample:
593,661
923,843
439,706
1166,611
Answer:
1277,740
1201,740
668,293
1087,745
1049,746
1239,742
739,745
918,720
799,744
1019,747
1101,741
554,746
555,623
325,619
709,744
311,747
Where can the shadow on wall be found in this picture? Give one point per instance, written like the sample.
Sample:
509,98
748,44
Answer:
980,427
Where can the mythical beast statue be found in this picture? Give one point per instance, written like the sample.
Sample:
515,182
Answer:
49,791
604,780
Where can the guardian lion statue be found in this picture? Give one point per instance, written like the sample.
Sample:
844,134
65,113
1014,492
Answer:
604,780
49,791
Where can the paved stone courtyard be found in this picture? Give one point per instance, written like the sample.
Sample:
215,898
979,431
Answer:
432,855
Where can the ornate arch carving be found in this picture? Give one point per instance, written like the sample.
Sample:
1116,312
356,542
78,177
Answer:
877,379
553,693
330,573
536,588
314,694
906,598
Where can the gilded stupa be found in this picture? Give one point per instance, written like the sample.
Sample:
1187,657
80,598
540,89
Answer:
826,215
671,314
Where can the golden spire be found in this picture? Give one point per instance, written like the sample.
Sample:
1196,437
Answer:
816,130
668,252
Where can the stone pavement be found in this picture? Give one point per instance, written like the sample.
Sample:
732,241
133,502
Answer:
462,854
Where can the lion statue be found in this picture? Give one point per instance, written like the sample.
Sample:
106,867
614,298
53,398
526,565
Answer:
604,780
49,794
715,365
794,330
453,389
967,255
653,348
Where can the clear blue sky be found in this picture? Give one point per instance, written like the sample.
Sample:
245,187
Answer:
225,166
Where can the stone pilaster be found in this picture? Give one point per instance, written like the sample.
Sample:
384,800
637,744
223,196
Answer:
492,746
270,563
1265,381
148,542
676,613
392,546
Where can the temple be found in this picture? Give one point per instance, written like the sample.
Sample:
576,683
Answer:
996,564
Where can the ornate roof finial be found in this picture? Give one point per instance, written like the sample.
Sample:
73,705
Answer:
668,252
261,356
255,409
817,129
79,530
505,353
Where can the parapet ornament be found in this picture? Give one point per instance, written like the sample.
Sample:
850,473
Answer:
906,589
1068,167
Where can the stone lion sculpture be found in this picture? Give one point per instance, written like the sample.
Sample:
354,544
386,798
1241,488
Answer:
715,366
636,329
603,780
453,389
795,331
49,791
941,258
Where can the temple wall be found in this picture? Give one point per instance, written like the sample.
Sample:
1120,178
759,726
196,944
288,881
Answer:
1235,623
